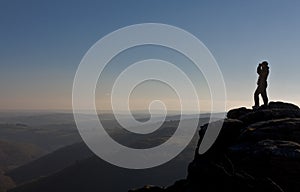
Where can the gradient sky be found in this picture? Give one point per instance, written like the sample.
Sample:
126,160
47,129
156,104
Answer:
43,42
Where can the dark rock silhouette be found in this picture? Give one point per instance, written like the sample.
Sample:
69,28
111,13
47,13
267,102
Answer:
256,151
149,188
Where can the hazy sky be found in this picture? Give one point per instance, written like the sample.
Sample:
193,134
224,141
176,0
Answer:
43,42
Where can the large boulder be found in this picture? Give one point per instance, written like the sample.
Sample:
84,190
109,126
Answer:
275,159
237,113
231,130
277,129
282,105
275,110
256,150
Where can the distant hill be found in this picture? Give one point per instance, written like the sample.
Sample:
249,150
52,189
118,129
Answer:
56,133
48,137
51,131
6,183
37,119
12,155
50,163
94,174
65,170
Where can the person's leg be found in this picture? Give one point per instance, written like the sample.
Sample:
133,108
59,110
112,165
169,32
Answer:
265,96
256,98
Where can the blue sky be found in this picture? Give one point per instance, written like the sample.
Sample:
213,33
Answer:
43,42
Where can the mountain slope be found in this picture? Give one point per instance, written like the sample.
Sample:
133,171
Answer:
94,174
14,154
50,163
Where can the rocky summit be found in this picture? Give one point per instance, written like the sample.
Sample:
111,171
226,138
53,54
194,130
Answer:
256,151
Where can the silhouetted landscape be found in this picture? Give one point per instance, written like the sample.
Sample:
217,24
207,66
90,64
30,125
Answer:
257,150
149,96
45,153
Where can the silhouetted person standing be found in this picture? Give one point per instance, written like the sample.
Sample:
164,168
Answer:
263,72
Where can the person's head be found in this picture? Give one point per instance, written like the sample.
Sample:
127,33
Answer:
264,63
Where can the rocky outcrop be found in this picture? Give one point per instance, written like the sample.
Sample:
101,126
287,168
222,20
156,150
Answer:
256,150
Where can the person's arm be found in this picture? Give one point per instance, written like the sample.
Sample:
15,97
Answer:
258,70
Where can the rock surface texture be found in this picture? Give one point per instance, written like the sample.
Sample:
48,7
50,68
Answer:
256,151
